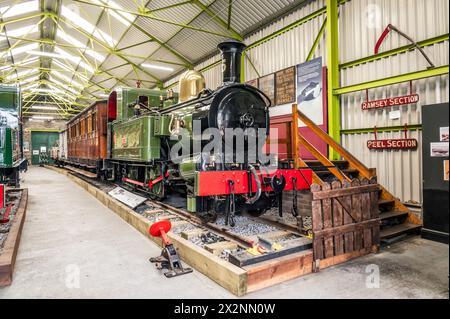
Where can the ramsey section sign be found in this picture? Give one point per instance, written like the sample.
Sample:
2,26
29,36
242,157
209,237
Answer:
393,101
398,144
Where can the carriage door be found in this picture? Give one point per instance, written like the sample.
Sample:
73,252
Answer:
42,142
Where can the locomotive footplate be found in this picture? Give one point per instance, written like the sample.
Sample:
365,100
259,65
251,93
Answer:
216,183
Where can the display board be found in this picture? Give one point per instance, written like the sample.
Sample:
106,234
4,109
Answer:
285,86
267,85
310,90
435,172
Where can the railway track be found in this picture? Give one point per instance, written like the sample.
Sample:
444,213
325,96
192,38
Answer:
252,240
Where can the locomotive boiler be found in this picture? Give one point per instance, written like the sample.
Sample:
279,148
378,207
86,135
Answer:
152,130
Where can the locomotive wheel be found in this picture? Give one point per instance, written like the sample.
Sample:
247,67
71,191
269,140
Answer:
259,208
157,192
209,217
257,212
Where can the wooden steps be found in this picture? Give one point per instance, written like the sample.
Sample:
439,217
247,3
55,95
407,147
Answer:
399,230
392,215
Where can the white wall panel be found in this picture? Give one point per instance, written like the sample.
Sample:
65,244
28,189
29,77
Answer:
361,24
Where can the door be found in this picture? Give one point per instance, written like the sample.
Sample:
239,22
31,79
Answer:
435,172
42,142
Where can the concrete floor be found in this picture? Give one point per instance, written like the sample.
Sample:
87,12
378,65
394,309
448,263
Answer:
74,247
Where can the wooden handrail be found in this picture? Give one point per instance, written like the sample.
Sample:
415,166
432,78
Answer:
353,161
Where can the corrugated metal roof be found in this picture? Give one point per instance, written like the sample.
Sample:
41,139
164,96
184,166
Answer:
110,33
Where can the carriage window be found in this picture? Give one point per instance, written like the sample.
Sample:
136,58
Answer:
94,123
90,118
82,129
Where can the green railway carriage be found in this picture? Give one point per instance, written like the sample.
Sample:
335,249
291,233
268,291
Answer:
12,160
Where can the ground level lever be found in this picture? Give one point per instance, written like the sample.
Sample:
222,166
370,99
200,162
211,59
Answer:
169,259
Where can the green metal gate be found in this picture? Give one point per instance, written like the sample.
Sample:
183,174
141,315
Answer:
42,142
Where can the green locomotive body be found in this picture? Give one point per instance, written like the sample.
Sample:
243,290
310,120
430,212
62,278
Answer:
12,160
136,136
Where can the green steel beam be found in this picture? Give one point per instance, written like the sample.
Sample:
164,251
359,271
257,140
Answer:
413,76
64,45
403,49
168,6
24,18
288,28
230,13
105,46
176,33
317,40
399,128
218,20
152,17
334,113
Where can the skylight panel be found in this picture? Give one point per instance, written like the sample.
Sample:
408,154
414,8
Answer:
19,9
19,32
86,26
77,60
71,40
20,50
67,79
71,70
64,86
28,80
19,75
123,17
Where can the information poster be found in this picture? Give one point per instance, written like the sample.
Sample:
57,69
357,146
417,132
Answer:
439,149
267,85
446,171
310,90
285,86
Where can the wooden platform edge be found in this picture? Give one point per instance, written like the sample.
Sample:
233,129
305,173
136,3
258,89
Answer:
341,259
11,245
239,281
230,277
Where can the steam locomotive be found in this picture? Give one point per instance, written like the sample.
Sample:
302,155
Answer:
139,138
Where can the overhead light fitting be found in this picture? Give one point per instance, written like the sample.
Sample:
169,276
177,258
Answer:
157,67
45,54
44,107
19,32
20,50
41,117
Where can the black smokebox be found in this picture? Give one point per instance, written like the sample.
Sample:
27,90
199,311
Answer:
231,60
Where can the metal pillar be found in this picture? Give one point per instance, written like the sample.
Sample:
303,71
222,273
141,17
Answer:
334,114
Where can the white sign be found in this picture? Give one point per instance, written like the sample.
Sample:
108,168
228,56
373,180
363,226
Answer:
35,152
43,149
310,90
126,197
394,115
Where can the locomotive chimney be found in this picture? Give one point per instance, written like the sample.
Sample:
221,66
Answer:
231,60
